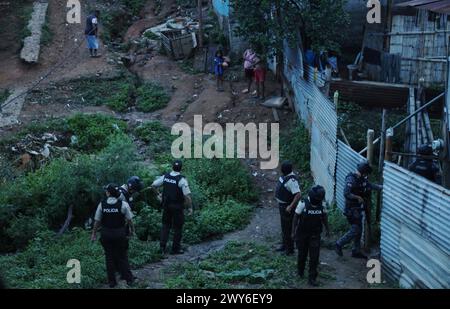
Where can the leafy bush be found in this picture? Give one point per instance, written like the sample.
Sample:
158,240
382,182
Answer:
4,94
215,219
43,263
155,135
50,191
121,100
222,178
151,97
134,6
295,147
148,224
93,132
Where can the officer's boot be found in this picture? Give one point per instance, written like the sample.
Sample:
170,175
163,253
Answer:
338,249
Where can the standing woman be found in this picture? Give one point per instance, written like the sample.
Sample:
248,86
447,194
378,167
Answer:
219,61
250,59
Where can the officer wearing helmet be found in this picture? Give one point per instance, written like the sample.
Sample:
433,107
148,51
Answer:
133,185
114,216
288,195
176,194
310,217
425,167
357,188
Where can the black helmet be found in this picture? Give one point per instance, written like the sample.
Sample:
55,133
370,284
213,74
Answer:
364,167
425,150
135,183
112,189
316,195
286,167
177,166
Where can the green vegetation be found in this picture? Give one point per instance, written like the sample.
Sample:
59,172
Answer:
43,263
151,97
272,22
295,147
34,206
118,93
240,265
47,34
25,17
4,94
134,6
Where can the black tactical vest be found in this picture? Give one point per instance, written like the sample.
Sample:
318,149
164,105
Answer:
126,194
359,186
311,219
112,217
172,193
281,192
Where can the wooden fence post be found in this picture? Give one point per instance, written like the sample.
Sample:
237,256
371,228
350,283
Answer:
370,137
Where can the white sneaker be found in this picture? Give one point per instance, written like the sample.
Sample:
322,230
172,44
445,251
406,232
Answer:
245,91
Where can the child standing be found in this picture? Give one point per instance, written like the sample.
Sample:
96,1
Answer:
260,78
219,61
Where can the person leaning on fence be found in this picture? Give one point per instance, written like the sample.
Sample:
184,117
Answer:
357,189
310,216
287,195
115,218
91,33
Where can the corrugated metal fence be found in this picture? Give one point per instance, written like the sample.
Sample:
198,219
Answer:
415,230
347,159
318,114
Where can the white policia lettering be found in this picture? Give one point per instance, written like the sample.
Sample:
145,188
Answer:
74,13
73,275
374,14
188,299
235,136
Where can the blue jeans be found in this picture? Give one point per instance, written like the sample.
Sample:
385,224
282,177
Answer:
92,41
354,217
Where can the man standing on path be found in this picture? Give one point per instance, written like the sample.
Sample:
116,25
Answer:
176,194
288,196
91,33
357,189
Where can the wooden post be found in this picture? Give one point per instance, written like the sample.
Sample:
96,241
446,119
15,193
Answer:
370,136
367,222
200,23
388,151
382,141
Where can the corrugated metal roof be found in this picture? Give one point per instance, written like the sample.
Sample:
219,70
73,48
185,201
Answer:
415,244
437,6
347,159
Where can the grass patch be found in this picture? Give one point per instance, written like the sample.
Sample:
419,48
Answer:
240,265
47,34
43,263
25,16
151,97
4,94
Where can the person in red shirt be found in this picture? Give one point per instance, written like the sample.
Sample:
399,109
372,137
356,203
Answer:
260,78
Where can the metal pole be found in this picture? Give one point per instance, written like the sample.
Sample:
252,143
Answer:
383,138
407,118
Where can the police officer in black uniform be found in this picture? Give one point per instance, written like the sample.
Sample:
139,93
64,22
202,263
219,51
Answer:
310,216
288,195
357,188
425,167
176,194
113,215
133,185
